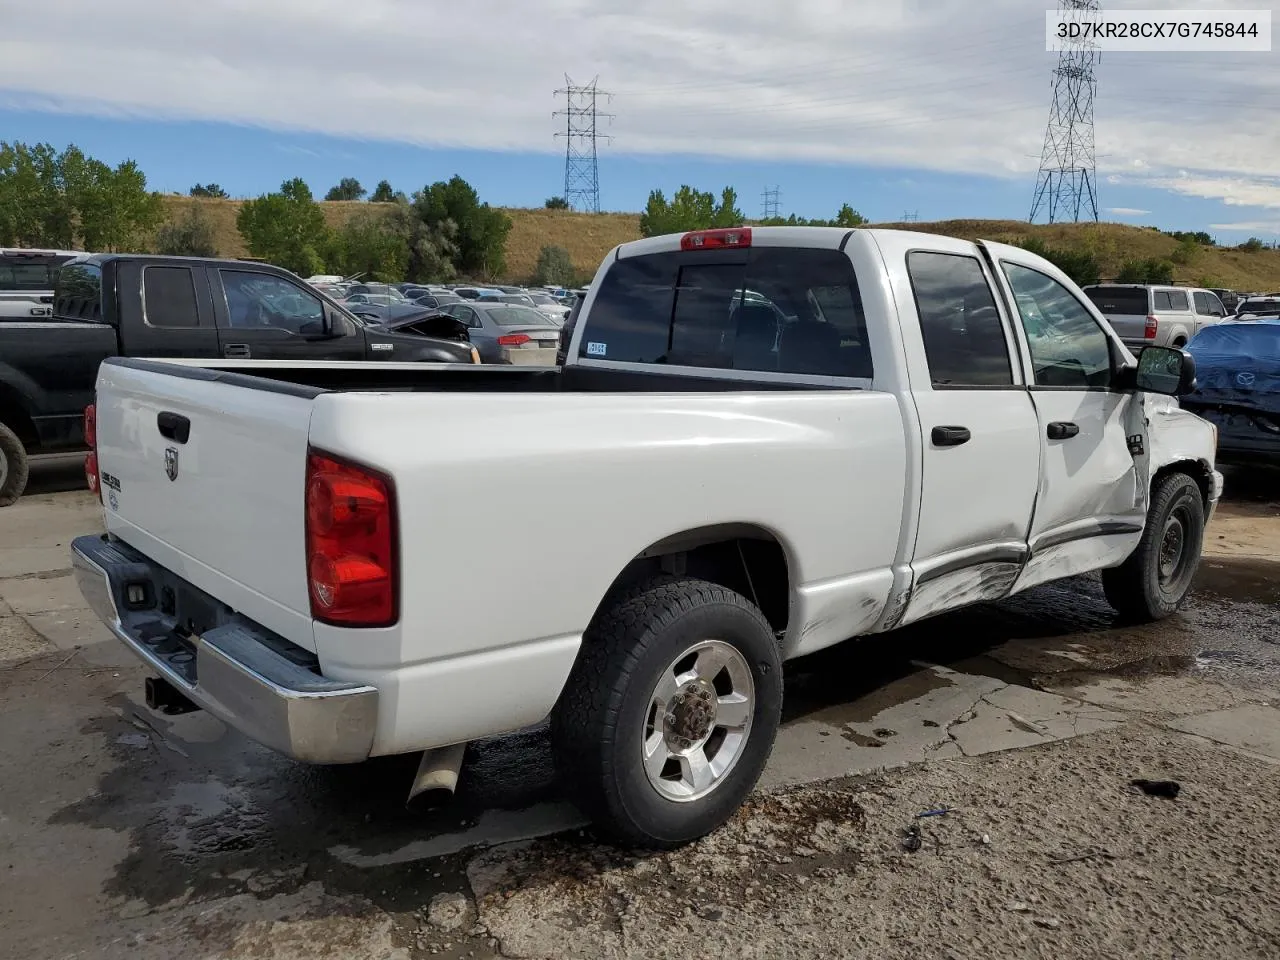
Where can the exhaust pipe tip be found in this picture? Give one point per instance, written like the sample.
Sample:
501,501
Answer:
437,776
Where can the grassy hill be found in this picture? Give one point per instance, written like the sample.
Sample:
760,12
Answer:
588,237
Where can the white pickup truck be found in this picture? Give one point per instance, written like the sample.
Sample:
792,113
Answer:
758,443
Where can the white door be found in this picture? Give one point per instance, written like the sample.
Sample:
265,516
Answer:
1091,505
981,457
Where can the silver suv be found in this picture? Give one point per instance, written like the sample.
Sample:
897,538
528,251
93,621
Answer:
1146,315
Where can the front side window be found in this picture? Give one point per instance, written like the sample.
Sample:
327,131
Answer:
1068,348
774,310
262,301
964,339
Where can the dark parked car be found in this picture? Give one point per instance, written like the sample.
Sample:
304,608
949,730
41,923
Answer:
437,299
1238,388
493,326
145,306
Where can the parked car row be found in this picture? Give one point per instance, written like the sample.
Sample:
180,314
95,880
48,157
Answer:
224,311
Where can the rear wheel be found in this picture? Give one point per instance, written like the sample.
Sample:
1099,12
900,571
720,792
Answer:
1156,578
13,466
670,712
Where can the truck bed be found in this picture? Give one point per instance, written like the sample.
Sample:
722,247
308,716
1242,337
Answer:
498,502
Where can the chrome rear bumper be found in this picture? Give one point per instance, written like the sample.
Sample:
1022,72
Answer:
241,673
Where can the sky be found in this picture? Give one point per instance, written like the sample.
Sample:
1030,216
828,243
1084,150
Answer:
929,107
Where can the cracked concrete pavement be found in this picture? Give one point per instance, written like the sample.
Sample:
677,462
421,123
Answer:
123,833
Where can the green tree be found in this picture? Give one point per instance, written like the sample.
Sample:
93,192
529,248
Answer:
368,245
1252,245
481,231
1081,266
70,200
191,235
1151,270
1186,251
33,207
382,193
348,188
848,217
689,209
286,228
554,267
556,203
208,190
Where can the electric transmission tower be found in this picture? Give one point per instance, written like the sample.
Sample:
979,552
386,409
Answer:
1066,184
771,199
581,170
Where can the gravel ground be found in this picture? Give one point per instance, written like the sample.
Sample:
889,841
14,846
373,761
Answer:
1049,853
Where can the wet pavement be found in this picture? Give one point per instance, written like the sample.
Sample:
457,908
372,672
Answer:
123,832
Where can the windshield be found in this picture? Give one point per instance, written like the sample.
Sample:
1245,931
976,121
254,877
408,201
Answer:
542,300
1268,307
515,298
1125,301
519,317
34,272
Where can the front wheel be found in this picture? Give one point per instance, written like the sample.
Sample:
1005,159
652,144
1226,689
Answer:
1152,583
670,712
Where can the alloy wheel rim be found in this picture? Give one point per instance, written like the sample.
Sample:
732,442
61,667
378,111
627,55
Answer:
698,720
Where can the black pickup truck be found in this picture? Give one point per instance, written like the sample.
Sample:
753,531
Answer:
147,306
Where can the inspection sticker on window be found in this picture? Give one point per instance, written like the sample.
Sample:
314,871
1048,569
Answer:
597,349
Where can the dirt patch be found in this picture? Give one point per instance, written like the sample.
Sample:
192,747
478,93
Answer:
1045,853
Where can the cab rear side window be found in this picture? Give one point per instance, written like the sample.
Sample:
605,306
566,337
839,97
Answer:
776,310
964,340
169,297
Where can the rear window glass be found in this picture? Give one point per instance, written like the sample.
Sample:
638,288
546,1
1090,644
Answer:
519,317
169,297
776,310
1124,301
1172,300
78,294
24,273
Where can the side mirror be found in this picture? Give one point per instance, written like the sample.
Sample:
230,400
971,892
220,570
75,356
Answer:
1166,370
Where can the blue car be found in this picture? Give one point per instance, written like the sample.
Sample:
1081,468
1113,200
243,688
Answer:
1238,388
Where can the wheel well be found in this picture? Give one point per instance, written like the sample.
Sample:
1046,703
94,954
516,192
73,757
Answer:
747,559
13,415
1195,469
1179,341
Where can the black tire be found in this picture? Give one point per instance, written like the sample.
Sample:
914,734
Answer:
598,725
13,466
1144,588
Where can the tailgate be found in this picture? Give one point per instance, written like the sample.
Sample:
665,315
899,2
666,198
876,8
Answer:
204,473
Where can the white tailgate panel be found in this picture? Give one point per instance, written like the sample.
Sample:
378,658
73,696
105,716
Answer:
231,521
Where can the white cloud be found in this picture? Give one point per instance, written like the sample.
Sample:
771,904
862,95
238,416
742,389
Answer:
1127,211
1249,226
916,83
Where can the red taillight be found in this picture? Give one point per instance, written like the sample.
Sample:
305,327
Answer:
716,239
1149,333
513,339
91,473
91,439
351,556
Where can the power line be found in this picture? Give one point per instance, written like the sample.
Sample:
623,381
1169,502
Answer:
772,206
581,136
1068,169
